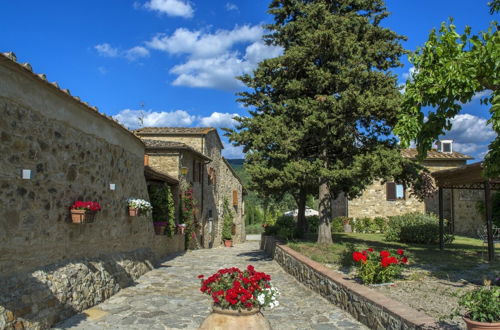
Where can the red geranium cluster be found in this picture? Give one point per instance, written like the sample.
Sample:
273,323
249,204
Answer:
379,267
235,289
89,206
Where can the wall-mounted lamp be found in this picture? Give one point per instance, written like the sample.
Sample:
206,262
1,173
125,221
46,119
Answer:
184,170
26,174
112,186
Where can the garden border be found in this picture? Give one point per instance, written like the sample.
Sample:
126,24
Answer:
368,306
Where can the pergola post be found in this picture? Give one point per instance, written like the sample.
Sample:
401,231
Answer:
441,219
489,220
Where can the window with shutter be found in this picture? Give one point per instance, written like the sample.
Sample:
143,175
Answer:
235,198
390,191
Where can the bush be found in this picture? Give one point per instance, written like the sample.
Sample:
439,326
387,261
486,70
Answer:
378,267
337,225
369,225
286,227
312,223
415,228
254,229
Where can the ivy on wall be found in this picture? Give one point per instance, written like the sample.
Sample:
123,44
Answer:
187,217
227,223
162,201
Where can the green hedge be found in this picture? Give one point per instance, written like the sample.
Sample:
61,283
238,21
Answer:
414,228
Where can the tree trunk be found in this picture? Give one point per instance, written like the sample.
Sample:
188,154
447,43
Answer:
325,215
301,215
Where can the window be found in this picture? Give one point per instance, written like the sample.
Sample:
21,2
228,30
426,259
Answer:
394,191
446,147
235,198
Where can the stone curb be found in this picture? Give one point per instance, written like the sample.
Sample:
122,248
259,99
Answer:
357,299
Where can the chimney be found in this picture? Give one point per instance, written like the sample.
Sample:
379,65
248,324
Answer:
445,146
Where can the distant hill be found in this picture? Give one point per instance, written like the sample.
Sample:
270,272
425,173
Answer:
237,165
236,162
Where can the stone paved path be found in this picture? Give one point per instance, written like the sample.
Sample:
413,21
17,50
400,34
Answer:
169,298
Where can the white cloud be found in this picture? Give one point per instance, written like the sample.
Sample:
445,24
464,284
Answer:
471,135
232,152
213,59
201,45
481,94
231,6
410,73
171,7
131,118
135,53
132,54
106,50
220,120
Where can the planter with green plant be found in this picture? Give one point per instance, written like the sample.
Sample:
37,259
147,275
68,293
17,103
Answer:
138,206
482,307
227,225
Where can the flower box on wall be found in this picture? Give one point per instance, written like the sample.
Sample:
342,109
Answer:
84,212
82,216
134,212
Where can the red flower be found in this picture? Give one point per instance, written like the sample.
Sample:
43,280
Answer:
384,254
201,276
356,256
401,252
370,249
404,260
386,261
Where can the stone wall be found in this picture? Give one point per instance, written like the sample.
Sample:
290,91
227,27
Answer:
165,246
49,267
39,299
373,202
369,307
229,184
466,218
165,162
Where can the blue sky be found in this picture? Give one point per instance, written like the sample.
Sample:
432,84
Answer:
176,59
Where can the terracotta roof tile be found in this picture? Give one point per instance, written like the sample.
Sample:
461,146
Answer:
40,76
435,155
175,130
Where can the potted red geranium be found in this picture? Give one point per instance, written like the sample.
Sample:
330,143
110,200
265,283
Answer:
84,212
238,297
379,267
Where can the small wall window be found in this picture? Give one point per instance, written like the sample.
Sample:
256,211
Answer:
235,198
446,146
394,191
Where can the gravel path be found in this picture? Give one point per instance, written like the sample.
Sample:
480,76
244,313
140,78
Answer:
168,297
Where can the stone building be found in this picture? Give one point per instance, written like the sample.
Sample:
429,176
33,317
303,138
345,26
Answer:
193,154
391,198
55,150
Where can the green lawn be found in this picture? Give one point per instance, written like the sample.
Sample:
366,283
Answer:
460,259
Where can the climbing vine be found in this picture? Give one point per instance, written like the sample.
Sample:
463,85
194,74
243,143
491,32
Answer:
163,206
188,205
227,221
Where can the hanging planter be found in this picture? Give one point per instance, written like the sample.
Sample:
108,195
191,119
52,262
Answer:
160,227
84,212
137,207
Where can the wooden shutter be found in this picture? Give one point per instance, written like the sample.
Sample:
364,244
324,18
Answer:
235,198
146,160
390,191
194,170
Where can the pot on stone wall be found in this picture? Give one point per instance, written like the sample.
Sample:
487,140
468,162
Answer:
82,216
160,227
134,212
226,319
228,243
474,325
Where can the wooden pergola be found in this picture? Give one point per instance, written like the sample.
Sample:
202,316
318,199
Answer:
467,177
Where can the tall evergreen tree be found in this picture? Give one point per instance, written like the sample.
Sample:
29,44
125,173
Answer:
325,109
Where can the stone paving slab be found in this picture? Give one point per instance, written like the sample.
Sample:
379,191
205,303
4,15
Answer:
168,297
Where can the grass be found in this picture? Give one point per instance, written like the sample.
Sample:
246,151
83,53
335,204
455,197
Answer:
460,259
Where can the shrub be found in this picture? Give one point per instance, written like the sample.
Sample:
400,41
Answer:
482,304
369,225
312,223
378,267
337,225
286,227
415,228
227,221
256,228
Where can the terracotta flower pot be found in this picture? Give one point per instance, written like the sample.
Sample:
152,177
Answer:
82,216
133,212
474,325
160,229
228,243
226,319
